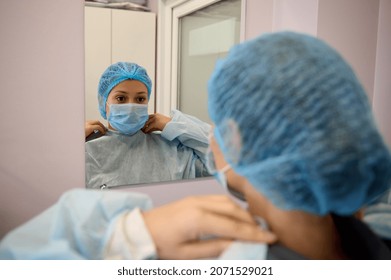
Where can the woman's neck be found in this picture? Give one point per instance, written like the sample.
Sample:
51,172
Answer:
312,236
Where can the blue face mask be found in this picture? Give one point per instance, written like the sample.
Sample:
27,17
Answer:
128,118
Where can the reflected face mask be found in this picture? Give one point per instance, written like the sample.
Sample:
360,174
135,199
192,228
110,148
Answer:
128,118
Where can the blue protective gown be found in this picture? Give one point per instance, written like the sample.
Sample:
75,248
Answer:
177,153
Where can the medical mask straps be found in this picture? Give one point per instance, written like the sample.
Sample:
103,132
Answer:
221,178
210,161
212,169
128,118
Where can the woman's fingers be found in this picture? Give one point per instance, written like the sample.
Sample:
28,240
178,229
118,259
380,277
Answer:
223,205
220,216
200,221
148,126
92,125
101,128
225,226
155,122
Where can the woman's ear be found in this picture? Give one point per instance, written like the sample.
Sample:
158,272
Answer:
359,214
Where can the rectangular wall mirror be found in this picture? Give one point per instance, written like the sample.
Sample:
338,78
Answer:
114,35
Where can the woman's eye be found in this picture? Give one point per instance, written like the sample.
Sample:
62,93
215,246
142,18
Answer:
120,98
140,99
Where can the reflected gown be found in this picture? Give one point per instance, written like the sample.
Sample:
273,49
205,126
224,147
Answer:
178,152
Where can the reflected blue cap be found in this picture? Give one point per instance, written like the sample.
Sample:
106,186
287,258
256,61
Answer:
117,73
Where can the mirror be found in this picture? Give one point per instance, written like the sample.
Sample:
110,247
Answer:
110,37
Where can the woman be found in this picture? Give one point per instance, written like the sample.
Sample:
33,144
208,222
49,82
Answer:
294,135
137,147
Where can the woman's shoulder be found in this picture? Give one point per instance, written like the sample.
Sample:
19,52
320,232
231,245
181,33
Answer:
158,139
358,240
106,141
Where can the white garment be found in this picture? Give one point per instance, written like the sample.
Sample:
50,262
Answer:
131,239
79,226
378,216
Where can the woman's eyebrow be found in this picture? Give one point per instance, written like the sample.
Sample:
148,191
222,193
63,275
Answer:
121,91
125,92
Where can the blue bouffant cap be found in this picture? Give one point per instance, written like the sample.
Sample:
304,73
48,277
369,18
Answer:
117,73
292,118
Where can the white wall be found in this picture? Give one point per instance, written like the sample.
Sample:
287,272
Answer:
41,107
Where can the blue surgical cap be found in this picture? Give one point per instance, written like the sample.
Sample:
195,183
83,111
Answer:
291,117
117,73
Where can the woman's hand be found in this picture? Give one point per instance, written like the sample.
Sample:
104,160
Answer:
155,122
92,125
184,229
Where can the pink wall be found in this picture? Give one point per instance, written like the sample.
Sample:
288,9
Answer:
153,5
359,29
274,15
350,26
382,95
259,17
298,15
42,105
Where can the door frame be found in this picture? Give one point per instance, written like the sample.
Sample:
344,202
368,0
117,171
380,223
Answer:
169,14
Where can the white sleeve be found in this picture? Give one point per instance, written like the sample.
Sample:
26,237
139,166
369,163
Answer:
80,226
378,216
190,131
130,238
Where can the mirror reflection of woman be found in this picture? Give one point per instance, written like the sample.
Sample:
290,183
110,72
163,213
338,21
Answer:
138,147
